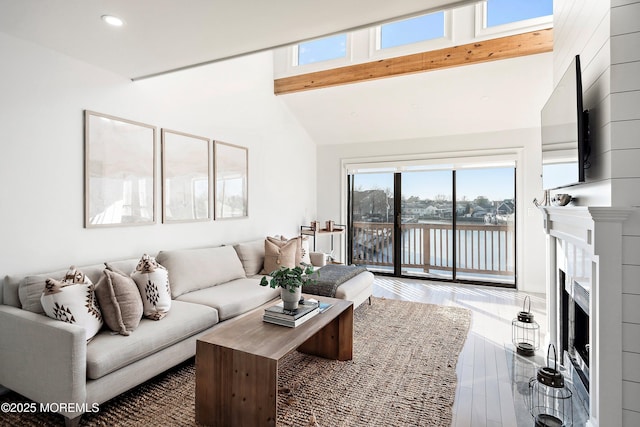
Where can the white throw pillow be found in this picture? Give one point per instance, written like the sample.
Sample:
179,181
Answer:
73,300
153,283
305,253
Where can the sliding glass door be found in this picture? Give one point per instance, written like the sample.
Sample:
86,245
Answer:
372,215
485,226
427,224
455,224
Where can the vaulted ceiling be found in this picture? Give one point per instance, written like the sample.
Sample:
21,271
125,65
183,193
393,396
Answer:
165,35
162,35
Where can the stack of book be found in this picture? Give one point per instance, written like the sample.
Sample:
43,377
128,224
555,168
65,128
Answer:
306,310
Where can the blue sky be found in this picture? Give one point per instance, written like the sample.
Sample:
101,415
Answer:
504,11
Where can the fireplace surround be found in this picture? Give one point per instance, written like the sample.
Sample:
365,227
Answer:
584,285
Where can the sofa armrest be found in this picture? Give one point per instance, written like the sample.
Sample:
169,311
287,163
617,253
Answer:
42,358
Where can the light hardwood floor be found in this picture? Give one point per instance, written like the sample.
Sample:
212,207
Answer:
484,394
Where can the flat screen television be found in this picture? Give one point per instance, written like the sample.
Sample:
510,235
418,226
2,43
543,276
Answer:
565,132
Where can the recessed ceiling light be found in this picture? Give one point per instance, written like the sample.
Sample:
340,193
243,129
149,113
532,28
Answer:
113,20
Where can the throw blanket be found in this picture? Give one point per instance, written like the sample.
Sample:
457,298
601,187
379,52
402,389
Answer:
328,278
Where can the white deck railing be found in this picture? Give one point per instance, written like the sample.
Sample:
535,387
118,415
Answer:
481,248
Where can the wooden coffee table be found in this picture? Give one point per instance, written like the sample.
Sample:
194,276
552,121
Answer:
237,363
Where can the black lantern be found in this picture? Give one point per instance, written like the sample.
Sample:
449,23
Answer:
525,332
550,400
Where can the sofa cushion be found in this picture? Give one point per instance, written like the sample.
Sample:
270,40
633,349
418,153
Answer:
108,352
279,253
119,301
193,269
233,298
10,295
153,283
31,287
251,255
73,303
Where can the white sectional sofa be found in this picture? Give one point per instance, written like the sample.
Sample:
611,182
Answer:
50,361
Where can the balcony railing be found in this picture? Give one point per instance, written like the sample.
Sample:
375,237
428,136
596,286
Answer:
486,249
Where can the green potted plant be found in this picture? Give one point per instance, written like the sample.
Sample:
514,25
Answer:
290,281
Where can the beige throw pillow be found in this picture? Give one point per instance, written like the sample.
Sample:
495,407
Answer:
120,301
278,253
251,255
302,249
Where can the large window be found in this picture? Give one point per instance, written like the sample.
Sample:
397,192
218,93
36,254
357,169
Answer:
323,49
413,30
440,223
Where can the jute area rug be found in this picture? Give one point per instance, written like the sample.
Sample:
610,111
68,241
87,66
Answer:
402,374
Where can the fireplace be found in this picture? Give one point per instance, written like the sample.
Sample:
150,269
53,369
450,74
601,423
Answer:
584,303
574,333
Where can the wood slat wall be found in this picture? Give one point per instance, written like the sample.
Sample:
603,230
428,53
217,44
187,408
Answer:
489,50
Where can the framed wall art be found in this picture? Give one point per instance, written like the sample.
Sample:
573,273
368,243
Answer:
186,177
231,177
120,162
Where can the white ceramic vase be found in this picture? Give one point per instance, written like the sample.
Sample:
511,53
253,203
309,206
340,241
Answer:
290,299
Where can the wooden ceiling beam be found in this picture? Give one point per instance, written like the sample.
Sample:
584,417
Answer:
530,43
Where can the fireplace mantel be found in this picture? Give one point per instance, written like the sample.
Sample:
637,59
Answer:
595,233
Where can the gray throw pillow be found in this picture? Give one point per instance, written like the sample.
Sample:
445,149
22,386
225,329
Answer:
120,301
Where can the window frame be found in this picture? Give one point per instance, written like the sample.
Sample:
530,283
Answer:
532,24
320,65
375,40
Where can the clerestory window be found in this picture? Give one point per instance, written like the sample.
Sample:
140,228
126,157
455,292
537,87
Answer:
503,12
324,49
413,30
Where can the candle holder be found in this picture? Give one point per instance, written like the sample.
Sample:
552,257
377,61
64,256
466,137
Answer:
525,331
550,403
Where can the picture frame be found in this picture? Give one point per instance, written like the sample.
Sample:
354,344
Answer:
231,181
120,171
186,177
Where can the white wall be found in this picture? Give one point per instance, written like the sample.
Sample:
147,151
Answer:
606,34
625,177
43,95
582,27
526,142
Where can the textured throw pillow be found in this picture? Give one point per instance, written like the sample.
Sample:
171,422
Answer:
73,300
278,253
119,300
298,244
302,249
153,283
